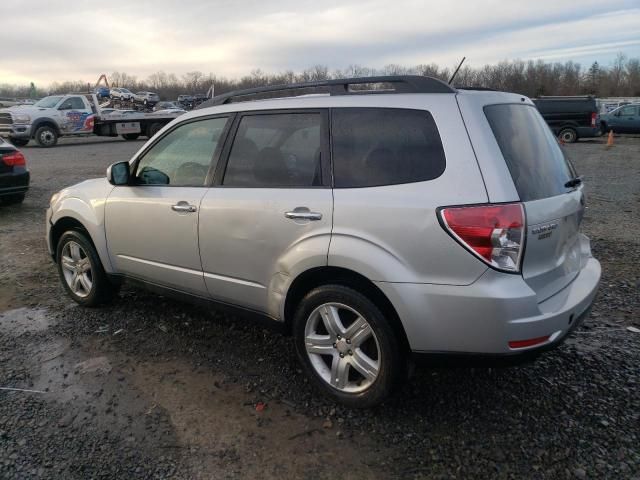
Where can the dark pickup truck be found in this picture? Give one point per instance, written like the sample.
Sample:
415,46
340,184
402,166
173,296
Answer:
570,118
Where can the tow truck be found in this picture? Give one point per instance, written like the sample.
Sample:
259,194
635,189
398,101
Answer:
76,115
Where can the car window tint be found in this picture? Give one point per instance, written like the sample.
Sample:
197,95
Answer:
628,111
183,156
276,150
384,146
533,156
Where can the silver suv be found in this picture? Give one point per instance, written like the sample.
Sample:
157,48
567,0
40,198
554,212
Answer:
377,219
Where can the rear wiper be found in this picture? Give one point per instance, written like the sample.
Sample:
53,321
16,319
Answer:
574,182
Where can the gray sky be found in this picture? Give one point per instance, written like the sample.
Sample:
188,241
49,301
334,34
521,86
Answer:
53,40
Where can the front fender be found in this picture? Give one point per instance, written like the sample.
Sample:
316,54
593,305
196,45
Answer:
85,203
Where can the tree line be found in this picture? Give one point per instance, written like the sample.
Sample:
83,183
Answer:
531,78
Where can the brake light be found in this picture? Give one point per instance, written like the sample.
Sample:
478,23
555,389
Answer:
594,118
493,233
15,159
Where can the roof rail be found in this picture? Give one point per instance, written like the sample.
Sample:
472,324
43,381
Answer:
400,83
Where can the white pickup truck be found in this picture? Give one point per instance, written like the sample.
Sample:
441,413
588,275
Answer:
75,114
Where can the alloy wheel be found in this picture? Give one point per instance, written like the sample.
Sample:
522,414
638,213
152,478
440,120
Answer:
342,347
76,268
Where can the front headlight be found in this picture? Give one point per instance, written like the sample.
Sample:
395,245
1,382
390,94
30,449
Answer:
21,118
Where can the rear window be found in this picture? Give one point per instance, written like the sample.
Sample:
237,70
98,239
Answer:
384,146
535,160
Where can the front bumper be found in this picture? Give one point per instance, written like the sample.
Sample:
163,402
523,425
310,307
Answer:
482,318
15,130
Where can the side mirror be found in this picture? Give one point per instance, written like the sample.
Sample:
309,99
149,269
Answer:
119,173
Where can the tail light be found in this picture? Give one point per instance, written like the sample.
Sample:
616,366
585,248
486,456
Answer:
594,118
15,159
493,233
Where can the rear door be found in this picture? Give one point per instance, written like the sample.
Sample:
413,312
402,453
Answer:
553,209
270,213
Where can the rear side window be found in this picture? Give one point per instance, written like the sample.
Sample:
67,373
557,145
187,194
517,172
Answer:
535,160
384,146
276,150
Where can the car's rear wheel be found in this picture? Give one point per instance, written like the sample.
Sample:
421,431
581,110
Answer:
154,128
568,135
603,128
130,136
347,346
46,136
81,271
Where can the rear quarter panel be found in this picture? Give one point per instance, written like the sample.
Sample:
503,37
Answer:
391,233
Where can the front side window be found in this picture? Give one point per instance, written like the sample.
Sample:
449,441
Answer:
276,150
183,156
627,111
384,146
73,103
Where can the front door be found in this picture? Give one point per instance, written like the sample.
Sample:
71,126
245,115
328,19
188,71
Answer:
77,116
625,119
270,216
152,224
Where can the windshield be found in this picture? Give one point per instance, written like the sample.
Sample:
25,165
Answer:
49,102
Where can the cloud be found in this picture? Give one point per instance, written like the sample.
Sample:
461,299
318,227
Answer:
52,41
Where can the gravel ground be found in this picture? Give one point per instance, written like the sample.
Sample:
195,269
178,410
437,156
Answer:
153,388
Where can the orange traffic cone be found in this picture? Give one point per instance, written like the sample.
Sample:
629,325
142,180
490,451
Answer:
610,139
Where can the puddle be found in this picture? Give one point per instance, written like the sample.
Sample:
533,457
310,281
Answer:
24,320
219,424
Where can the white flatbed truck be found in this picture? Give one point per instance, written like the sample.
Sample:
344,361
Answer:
76,115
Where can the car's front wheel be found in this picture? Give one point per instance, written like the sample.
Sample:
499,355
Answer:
46,136
81,271
347,346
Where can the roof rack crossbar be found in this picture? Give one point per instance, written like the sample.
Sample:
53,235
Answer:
401,84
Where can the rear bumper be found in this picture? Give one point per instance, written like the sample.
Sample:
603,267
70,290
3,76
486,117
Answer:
482,318
588,132
12,184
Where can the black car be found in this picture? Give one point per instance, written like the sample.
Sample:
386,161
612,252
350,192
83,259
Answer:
14,176
570,118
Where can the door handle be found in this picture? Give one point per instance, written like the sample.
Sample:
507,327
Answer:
183,207
303,215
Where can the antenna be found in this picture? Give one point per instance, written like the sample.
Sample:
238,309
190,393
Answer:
456,72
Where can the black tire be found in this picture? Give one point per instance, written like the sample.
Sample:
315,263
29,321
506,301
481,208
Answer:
19,142
154,128
12,199
568,135
130,136
603,128
46,136
102,290
391,362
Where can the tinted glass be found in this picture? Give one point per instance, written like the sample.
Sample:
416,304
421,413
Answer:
384,146
183,156
535,160
276,150
628,111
